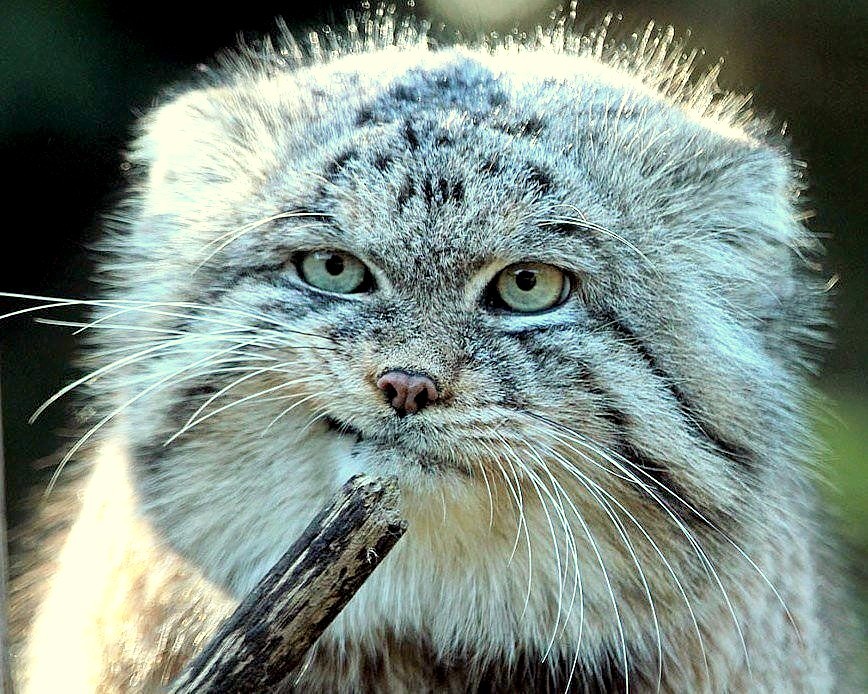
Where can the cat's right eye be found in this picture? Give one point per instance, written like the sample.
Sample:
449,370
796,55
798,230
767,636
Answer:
529,288
333,271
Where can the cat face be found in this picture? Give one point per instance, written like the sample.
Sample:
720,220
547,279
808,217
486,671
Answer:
590,283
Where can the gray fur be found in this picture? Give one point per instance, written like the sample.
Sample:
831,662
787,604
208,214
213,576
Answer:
651,429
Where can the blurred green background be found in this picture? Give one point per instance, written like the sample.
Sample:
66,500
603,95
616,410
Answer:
74,75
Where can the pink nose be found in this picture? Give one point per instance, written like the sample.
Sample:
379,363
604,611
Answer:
407,392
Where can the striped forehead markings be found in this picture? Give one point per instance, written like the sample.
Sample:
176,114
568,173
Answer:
440,191
410,136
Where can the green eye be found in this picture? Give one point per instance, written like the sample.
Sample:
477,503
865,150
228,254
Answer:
530,287
332,271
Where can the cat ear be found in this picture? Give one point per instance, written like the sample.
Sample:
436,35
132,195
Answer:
177,140
735,203
208,146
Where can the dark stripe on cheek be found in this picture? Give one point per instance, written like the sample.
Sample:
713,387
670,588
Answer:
615,416
739,455
188,399
219,285
147,457
200,391
605,401
216,282
654,480
297,307
657,475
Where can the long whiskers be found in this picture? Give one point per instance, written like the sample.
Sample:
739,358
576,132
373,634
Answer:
233,235
521,525
239,343
575,472
195,419
132,359
627,467
148,307
530,475
542,490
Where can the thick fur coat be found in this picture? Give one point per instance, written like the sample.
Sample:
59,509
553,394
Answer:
611,494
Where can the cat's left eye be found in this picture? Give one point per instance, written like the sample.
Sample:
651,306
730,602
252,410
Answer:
333,271
529,288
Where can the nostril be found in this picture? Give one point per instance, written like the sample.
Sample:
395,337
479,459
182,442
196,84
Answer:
421,399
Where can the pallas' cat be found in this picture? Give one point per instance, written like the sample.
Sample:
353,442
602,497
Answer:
557,286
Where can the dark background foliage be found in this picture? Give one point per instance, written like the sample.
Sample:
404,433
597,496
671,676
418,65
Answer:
75,75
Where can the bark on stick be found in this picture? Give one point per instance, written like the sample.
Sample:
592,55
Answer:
267,637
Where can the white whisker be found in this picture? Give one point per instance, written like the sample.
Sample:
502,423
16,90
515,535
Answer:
87,436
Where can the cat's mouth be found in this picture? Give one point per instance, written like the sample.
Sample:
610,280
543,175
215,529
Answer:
343,428
427,461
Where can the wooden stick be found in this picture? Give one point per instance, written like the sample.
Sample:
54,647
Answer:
267,637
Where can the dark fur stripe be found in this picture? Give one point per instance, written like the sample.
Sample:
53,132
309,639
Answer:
219,285
189,399
491,166
663,488
733,452
148,456
410,136
428,192
572,230
530,674
335,167
406,192
456,191
530,127
655,481
382,161
442,190
539,177
365,116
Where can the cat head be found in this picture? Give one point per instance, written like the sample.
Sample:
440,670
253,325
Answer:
531,285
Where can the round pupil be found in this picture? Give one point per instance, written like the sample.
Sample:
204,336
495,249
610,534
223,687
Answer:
525,280
334,265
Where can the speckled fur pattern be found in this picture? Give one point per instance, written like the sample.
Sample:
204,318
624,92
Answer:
612,495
